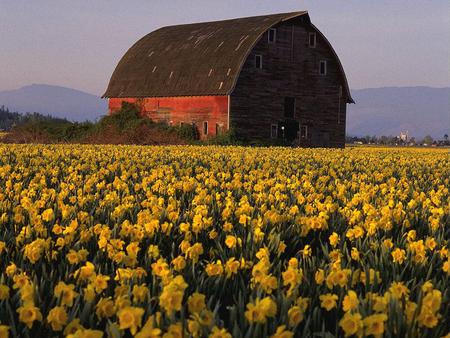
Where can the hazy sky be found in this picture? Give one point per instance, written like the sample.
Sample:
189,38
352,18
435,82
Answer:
77,43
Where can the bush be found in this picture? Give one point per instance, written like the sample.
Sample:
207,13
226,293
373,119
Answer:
227,138
126,118
125,126
188,132
78,131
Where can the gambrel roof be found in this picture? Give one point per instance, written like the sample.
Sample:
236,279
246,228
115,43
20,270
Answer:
192,59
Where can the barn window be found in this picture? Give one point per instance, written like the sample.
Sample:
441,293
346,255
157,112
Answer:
312,40
303,132
289,107
323,67
258,61
274,131
205,128
272,35
219,128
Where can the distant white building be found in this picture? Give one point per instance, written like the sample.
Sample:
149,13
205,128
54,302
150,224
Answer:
403,136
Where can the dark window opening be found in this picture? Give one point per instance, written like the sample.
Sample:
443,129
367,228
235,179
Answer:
274,131
205,128
289,107
258,61
272,35
303,132
323,67
312,40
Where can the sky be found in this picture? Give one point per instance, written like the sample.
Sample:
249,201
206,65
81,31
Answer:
77,44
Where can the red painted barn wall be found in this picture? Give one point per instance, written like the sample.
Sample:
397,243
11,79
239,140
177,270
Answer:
186,109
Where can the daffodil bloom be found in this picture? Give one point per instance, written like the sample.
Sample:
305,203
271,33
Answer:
350,301
260,310
196,302
334,239
105,308
295,315
214,269
2,246
57,318
352,324
398,290
230,241
219,333
4,292
100,282
179,263
282,332
130,318
172,295
374,324
29,314
328,301
47,215
307,251
86,333
398,256
231,267
4,331
149,330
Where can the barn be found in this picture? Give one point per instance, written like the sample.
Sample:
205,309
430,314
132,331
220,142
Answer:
272,77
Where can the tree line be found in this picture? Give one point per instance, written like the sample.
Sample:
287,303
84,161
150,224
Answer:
398,141
10,119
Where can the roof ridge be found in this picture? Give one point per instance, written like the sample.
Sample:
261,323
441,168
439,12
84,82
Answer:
289,14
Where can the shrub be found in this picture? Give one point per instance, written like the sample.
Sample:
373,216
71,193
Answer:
126,118
227,138
188,132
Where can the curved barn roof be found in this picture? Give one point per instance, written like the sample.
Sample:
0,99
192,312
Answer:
192,59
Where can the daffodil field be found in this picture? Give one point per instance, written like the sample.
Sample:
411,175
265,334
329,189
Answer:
183,241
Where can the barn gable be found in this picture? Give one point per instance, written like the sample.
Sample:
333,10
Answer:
190,60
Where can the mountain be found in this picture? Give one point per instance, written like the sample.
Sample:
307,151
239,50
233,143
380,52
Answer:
57,101
390,110
378,111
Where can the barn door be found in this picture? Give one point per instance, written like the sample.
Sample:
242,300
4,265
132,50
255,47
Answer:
288,130
289,107
290,125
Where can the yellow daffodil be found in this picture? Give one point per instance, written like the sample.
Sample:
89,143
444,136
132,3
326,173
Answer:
328,301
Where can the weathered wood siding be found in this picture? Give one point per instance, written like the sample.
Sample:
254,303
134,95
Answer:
184,109
291,69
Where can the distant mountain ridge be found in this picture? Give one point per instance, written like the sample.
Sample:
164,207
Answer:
390,110
378,111
74,105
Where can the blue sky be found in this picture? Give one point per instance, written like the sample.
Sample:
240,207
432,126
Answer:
78,43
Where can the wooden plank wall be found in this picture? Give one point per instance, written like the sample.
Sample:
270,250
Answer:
291,69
